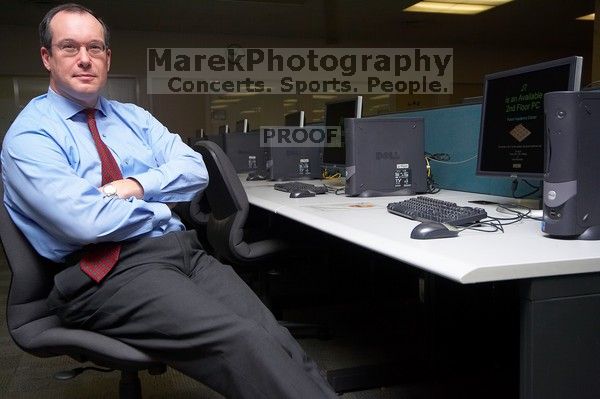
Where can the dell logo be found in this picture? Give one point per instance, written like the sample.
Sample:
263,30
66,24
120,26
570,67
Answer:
386,155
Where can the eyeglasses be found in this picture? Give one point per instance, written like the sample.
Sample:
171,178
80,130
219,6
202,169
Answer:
71,48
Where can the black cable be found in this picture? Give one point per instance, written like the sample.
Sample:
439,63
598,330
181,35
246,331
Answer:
432,188
528,194
476,226
498,223
515,185
530,185
438,156
522,215
508,221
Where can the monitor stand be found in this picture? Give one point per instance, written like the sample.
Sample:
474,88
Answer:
531,203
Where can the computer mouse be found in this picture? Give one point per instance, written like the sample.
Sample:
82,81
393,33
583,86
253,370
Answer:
428,230
302,194
255,177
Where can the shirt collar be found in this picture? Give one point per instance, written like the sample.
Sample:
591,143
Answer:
67,108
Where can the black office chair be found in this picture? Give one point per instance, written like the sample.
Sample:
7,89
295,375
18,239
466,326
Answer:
229,236
229,208
194,215
36,330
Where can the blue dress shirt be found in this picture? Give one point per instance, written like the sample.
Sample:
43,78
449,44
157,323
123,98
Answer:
52,174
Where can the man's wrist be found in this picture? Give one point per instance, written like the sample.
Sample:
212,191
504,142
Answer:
140,193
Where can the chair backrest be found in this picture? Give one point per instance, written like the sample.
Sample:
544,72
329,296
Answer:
27,314
228,205
36,329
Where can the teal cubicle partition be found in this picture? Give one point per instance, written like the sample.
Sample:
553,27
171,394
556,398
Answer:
454,130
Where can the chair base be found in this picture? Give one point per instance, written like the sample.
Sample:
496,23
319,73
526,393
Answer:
130,386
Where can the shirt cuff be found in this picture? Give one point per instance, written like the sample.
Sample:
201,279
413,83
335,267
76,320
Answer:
150,182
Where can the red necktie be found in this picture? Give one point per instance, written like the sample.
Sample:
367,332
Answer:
99,259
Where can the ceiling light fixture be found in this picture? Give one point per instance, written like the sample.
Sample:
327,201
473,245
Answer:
589,17
464,7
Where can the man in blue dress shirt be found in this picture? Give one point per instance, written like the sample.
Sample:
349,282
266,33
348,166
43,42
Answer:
164,295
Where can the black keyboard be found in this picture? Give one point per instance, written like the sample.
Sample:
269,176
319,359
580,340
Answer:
295,186
425,209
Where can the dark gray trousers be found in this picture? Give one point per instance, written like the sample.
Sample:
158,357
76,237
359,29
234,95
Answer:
170,299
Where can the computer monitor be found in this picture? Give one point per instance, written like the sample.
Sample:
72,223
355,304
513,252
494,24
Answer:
241,126
511,139
334,157
295,119
224,129
217,138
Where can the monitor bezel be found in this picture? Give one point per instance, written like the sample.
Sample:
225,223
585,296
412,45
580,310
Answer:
357,114
574,62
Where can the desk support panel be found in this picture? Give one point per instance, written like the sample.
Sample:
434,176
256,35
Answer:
560,337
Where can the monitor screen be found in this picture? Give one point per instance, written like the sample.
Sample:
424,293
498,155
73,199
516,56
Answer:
335,113
295,119
224,129
511,140
241,126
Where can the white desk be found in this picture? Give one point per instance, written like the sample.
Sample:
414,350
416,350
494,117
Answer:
523,251
559,280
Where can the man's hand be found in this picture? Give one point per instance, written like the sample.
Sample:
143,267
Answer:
127,188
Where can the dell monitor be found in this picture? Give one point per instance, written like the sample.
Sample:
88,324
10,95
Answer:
295,119
223,129
241,126
511,140
334,157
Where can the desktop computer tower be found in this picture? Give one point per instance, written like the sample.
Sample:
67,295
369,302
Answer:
292,162
244,151
572,164
385,156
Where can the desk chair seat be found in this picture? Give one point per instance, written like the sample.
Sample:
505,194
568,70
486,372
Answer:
38,331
